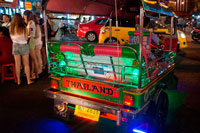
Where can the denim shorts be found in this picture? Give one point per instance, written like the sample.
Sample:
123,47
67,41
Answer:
31,43
20,49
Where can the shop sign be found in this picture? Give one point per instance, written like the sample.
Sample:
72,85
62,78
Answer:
28,5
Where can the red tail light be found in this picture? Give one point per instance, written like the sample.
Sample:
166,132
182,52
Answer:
128,100
54,84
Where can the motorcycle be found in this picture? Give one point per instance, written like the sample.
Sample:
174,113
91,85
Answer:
195,34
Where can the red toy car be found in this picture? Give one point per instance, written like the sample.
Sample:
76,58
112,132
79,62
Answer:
91,30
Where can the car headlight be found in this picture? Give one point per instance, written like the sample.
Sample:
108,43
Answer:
182,35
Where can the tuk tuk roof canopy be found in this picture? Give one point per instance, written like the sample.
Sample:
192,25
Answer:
102,7
157,7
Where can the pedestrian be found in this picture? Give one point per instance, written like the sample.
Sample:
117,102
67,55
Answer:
43,50
54,25
5,32
180,23
76,23
19,36
38,43
31,28
84,20
6,56
6,20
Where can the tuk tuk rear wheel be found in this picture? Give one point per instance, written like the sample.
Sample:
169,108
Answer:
161,111
157,113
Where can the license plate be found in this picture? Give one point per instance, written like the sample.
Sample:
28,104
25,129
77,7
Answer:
88,113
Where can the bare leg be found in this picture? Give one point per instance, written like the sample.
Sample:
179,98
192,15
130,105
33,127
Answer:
38,57
44,57
17,67
33,58
26,67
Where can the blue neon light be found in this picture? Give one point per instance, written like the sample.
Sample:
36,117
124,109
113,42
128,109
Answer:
138,131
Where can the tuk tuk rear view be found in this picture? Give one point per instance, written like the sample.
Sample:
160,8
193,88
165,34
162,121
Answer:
122,82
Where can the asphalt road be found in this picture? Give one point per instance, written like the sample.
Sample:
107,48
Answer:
25,109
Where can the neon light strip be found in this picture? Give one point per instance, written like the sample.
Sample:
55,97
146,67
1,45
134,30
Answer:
150,2
138,131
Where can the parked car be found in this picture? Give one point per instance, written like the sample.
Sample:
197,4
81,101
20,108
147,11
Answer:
91,30
119,33
182,41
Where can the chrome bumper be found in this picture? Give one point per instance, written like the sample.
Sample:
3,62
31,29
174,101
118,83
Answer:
82,102
119,112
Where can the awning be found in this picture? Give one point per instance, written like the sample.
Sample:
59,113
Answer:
155,6
101,7
89,7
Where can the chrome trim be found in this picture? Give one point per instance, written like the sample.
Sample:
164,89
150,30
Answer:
82,102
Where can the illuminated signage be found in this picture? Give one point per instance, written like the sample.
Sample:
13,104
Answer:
28,5
8,0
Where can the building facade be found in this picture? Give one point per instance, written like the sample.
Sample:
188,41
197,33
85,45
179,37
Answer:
182,7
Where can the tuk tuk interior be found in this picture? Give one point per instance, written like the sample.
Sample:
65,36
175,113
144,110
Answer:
129,64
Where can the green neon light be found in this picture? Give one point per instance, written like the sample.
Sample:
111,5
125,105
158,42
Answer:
62,63
135,72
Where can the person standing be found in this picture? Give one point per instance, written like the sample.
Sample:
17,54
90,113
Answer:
6,20
55,30
38,43
18,33
28,18
84,20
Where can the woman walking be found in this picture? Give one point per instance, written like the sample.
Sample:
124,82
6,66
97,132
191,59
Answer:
28,18
18,33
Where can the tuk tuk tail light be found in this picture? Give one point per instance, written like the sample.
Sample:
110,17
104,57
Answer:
54,84
128,100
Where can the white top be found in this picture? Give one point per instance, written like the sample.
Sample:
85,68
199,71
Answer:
38,41
6,24
19,38
55,27
32,27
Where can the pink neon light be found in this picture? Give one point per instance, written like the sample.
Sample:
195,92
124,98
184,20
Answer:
110,51
70,48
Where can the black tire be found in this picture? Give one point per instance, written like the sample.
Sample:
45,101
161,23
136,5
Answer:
195,38
113,40
91,37
157,114
161,112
